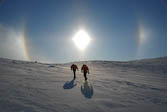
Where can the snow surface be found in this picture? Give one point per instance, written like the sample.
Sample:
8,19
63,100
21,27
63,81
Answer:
134,86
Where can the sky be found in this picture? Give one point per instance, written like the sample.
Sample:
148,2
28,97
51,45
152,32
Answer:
120,30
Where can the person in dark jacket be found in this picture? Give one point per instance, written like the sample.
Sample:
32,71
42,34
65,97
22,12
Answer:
85,70
74,68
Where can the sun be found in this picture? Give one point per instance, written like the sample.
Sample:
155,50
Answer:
81,39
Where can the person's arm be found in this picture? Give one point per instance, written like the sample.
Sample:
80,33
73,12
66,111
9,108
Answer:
77,68
71,67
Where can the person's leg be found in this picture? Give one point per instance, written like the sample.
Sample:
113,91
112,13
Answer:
85,75
74,74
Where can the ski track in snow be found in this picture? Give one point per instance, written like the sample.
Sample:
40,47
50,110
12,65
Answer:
134,86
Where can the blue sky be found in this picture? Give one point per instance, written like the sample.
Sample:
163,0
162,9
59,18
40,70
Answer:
120,29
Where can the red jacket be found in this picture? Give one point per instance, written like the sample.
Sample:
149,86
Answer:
74,67
85,68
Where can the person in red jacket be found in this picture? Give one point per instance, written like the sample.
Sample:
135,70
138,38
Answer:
85,70
74,68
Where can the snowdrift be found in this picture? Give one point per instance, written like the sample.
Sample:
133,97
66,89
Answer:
133,86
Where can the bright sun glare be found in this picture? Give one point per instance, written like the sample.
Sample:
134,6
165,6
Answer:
81,39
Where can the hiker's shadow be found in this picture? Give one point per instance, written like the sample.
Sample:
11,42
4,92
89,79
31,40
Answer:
87,90
69,84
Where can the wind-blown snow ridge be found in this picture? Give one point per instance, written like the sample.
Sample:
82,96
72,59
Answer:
133,86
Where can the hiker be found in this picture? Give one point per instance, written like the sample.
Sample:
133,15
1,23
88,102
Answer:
74,68
85,70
